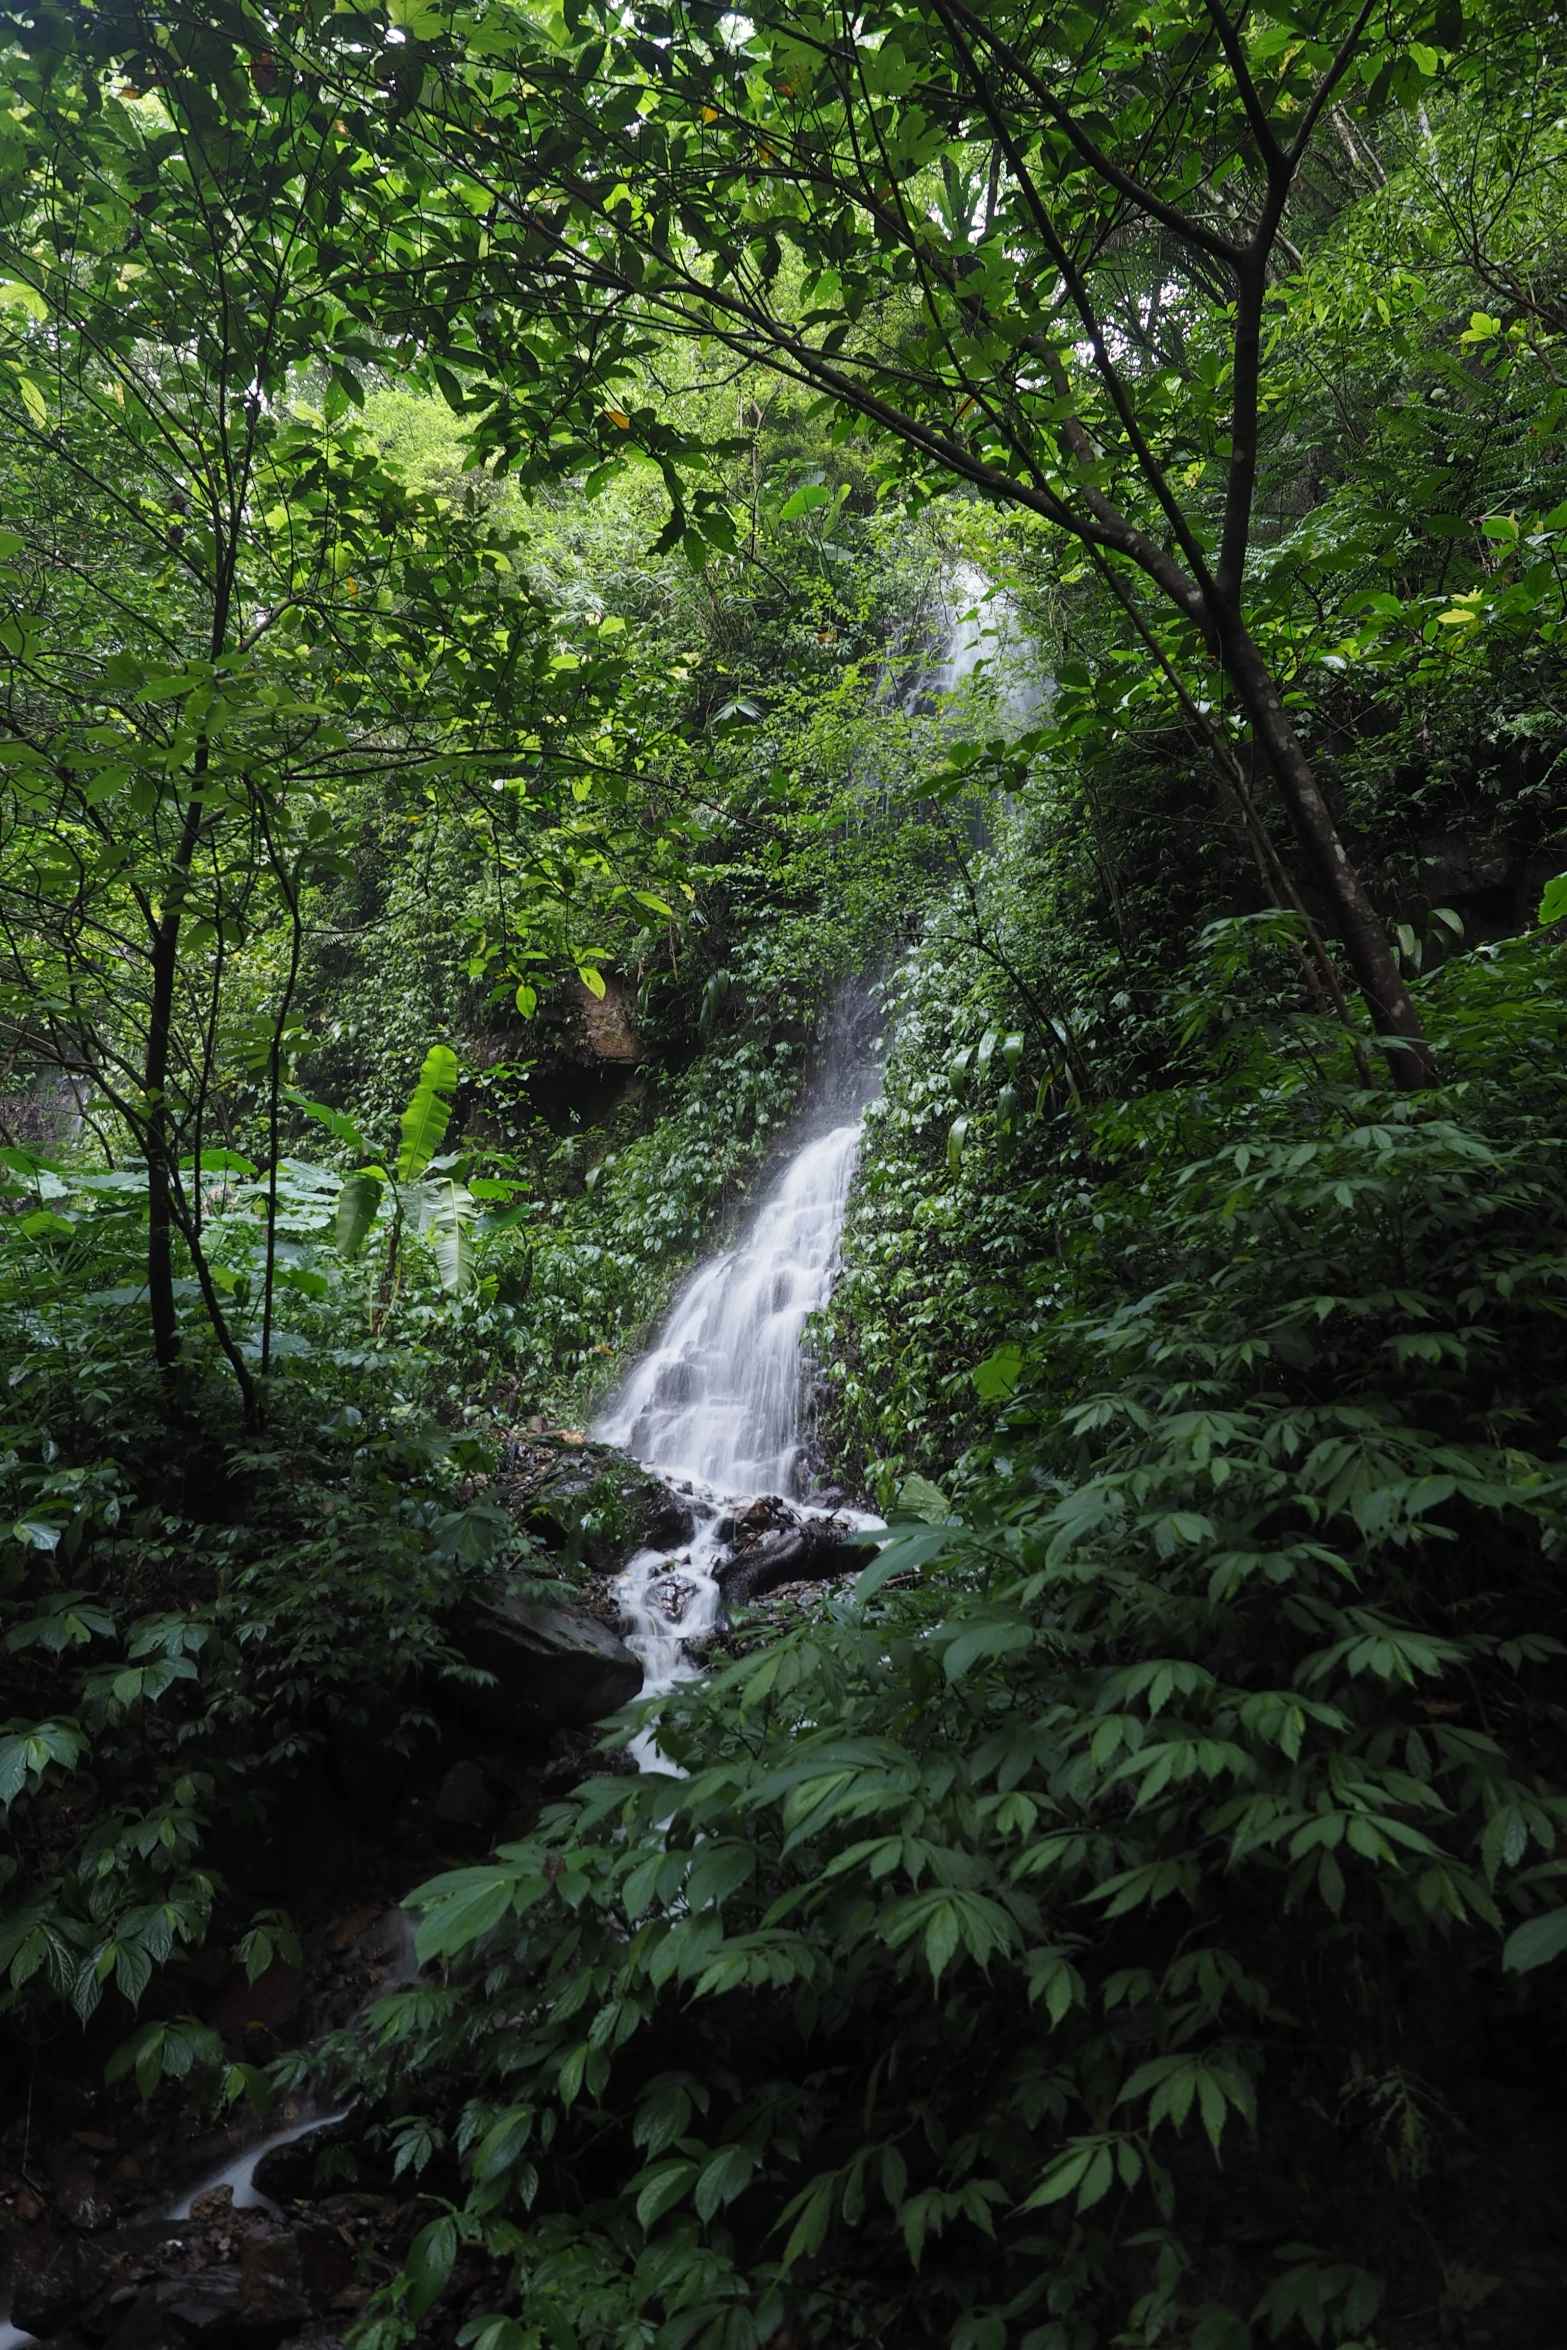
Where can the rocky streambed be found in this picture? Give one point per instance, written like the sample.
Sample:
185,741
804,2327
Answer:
128,2225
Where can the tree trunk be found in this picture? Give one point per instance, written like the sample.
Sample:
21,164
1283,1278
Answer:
1370,952
155,1083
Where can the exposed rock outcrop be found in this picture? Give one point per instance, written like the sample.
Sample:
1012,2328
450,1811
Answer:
551,1668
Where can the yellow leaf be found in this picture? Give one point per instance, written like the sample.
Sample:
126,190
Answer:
618,416
710,114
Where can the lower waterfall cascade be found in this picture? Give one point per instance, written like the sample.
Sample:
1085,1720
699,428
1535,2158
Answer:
718,1405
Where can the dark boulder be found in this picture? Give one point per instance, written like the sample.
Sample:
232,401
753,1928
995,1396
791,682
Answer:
807,1553
52,2288
253,2307
768,1514
553,1668
78,2197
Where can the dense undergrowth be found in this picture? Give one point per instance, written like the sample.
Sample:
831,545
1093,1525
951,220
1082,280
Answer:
453,757
1139,1839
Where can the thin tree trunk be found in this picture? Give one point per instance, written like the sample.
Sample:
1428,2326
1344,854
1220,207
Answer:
1366,943
155,1089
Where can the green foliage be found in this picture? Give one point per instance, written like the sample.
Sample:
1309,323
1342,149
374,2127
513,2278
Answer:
177,1635
1054,1866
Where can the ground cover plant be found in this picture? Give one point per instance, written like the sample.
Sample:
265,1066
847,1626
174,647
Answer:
540,547
1010,1926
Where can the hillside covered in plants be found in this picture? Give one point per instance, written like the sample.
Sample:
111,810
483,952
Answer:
783,1175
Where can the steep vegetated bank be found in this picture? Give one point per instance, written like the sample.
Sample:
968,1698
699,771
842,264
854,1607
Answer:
491,509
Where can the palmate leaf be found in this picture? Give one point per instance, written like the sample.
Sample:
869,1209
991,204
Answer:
428,1114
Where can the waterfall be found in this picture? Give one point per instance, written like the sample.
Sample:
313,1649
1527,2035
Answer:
717,1400
718,1404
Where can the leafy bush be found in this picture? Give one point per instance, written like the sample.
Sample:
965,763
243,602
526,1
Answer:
1149,1803
183,1618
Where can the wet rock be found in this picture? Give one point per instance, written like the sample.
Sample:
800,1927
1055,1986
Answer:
253,2307
54,2286
327,2265
768,1514
595,1505
554,1668
805,1553
574,1757
78,2198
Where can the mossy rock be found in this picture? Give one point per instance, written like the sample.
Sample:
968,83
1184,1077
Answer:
597,1507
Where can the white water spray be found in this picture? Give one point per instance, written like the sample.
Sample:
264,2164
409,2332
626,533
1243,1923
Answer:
718,1398
717,1405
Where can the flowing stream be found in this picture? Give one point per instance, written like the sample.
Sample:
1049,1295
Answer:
718,1406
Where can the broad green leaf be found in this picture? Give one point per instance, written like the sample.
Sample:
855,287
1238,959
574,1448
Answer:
662,2188
336,1121
358,1204
1536,1943
430,2259
724,2175
428,1114
478,1900
451,1224
919,1498
998,1375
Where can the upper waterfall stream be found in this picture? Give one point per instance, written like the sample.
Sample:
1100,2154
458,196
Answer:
717,1405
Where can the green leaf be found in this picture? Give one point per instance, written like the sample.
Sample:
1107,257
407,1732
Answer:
942,1937
430,2259
451,1222
1536,1943
724,2175
662,2188
1553,901
477,1900
919,1498
428,1114
336,1121
984,1640
358,1204
998,1375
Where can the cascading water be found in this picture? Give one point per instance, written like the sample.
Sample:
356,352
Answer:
717,1407
718,1398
